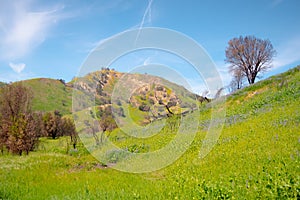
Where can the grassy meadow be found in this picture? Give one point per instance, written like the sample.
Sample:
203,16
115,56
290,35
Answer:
256,157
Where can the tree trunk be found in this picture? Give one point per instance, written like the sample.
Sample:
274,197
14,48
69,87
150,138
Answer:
252,80
169,110
102,134
96,137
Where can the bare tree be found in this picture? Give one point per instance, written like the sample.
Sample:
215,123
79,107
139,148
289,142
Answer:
3,134
23,134
250,55
237,80
107,122
219,93
203,97
19,127
69,129
53,126
168,105
94,129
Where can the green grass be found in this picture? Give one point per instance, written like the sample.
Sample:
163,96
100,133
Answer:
256,157
50,95
2,84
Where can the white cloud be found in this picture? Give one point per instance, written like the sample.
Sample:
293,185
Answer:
287,53
196,85
17,67
22,29
147,61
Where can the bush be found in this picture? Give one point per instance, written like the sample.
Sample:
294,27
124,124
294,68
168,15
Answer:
19,127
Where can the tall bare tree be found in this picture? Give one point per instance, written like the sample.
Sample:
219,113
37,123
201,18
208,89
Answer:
250,55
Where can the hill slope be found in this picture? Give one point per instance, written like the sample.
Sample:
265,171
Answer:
2,84
256,157
50,95
143,94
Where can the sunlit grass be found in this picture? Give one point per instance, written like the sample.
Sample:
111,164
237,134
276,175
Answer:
256,157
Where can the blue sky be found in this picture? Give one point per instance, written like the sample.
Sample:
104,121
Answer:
53,38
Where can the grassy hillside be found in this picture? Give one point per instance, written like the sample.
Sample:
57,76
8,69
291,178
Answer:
2,84
50,95
256,157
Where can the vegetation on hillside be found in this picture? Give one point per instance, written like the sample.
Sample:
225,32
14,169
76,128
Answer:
141,92
21,128
2,84
256,157
50,95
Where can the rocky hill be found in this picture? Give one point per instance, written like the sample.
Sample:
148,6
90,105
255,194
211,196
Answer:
143,93
148,96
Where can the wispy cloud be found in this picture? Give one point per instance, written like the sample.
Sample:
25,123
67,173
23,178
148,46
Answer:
147,13
12,76
147,61
22,28
287,53
196,85
222,68
17,67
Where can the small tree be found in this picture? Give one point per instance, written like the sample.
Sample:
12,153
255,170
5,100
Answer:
237,80
3,134
93,128
69,129
167,105
250,55
107,122
23,134
52,125
219,93
19,129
